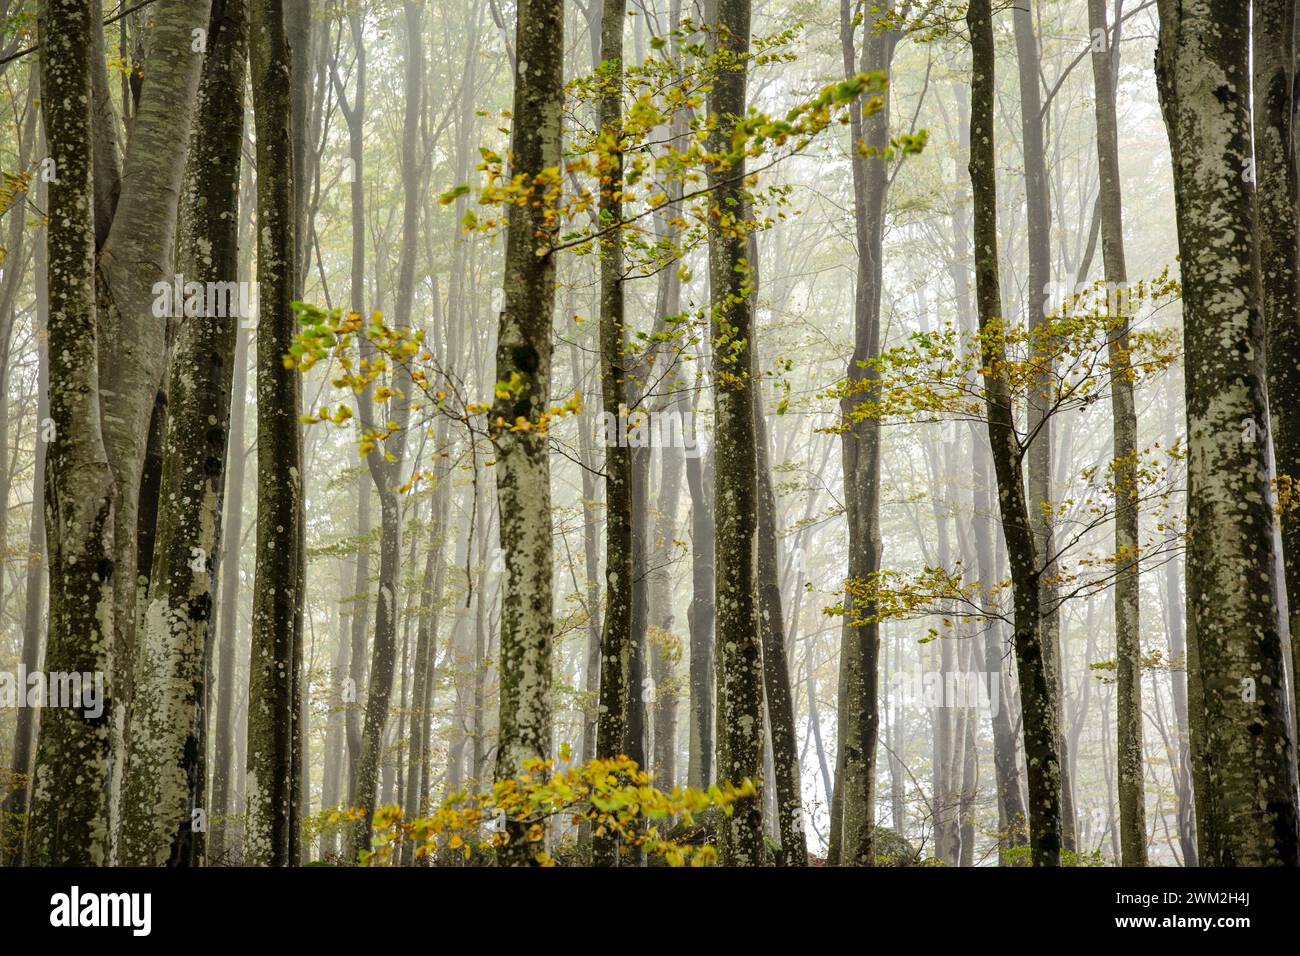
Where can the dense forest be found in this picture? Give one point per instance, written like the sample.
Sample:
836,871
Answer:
457,433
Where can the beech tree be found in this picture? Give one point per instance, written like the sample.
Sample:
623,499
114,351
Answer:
523,370
1245,799
165,780
69,823
273,677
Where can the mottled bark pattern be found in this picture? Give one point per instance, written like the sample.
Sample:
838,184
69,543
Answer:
739,651
164,781
524,355
69,817
1279,259
1247,804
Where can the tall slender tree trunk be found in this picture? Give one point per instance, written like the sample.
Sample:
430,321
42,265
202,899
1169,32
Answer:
164,816
1128,650
69,818
225,766
276,594
700,621
859,718
524,359
1039,715
1246,803
386,465
616,636
426,646
739,648
37,563
771,625
1275,159
1039,457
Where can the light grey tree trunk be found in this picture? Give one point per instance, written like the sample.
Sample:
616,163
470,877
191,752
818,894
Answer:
137,252
386,463
777,694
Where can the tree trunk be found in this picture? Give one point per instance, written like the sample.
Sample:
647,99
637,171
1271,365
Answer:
34,590
1039,715
771,624
1246,807
226,765
700,621
276,594
616,636
523,359
1275,159
739,650
1039,426
164,779
69,821
137,253
859,718
386,463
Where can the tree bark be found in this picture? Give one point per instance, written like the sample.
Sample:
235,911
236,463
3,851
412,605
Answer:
771,624
523,358
1275,159
616,633
859,718
276,595
164,779
739,650
1246,803
1039,715
1039,425
386,463
69,822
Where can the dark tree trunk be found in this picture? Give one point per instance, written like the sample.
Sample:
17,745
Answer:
272,704
1128,651
1039,714
69,820
739,649
616,686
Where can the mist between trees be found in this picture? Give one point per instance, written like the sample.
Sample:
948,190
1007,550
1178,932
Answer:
679,432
